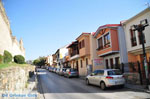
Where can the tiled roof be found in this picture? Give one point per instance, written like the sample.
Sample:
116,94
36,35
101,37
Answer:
83,34
72,44
106,26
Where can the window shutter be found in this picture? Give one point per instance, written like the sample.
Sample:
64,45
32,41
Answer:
133,38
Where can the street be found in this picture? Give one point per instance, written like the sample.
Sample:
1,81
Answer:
53,86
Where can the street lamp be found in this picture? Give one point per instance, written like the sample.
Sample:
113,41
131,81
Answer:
140,28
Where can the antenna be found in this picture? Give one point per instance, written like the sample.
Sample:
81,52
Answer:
147,4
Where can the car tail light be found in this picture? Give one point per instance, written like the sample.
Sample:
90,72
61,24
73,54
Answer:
108,77
69,72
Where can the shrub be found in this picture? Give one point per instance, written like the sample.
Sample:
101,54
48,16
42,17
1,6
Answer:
1,59
19,59
7,57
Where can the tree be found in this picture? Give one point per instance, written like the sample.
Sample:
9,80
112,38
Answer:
7,57
35,62
19,59
40,61
1,58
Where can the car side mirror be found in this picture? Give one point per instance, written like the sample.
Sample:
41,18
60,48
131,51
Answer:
92,74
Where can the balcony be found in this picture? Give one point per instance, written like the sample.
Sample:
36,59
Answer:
74,54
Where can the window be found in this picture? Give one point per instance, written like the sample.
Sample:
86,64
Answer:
81,44
133,38
107,67
73,64
107,40
117,60
140,39
100,72
95,72
114,72
86,61
76,64
81,63
100,43
111,63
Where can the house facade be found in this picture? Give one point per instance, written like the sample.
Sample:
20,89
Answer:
74,55
133,42
54,64
63,53
83,56
97,62
84,60
49,60
111,45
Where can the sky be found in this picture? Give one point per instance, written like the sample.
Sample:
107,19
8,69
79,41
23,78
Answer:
47,25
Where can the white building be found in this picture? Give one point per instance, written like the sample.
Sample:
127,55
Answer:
134,46
49,60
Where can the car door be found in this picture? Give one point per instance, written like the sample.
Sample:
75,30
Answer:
92,77
98,77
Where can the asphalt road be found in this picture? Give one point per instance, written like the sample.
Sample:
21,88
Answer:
53,86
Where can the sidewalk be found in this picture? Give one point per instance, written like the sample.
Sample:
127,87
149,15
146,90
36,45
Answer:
137,87
130,86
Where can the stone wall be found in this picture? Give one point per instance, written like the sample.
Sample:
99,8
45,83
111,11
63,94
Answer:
132,78
14,79
7,40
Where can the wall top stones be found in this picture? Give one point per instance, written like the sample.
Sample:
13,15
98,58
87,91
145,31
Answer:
2,11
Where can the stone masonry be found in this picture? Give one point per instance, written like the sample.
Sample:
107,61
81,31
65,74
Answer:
15,78
7,40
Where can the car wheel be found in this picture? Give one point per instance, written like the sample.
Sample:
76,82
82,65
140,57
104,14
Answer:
121,86
87,82
102,85
68,76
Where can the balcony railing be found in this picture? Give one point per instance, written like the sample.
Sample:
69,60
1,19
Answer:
75,52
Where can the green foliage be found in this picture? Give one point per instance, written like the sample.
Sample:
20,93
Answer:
35,62
40,61
7,57
19,59
1,59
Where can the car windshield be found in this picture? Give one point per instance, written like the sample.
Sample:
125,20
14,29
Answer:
114,72
73,70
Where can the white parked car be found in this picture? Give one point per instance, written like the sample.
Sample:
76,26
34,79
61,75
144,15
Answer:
106,78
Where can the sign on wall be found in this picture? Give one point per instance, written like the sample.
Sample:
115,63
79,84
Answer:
98,62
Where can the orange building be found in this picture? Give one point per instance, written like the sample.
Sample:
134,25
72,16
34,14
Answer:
84,53
108,45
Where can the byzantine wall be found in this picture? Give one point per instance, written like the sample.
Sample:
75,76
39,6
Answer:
7,40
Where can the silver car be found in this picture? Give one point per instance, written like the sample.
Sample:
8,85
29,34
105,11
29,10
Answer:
62,70
57,70
70,72
106,78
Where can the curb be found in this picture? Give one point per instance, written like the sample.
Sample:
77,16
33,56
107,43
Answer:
137,89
